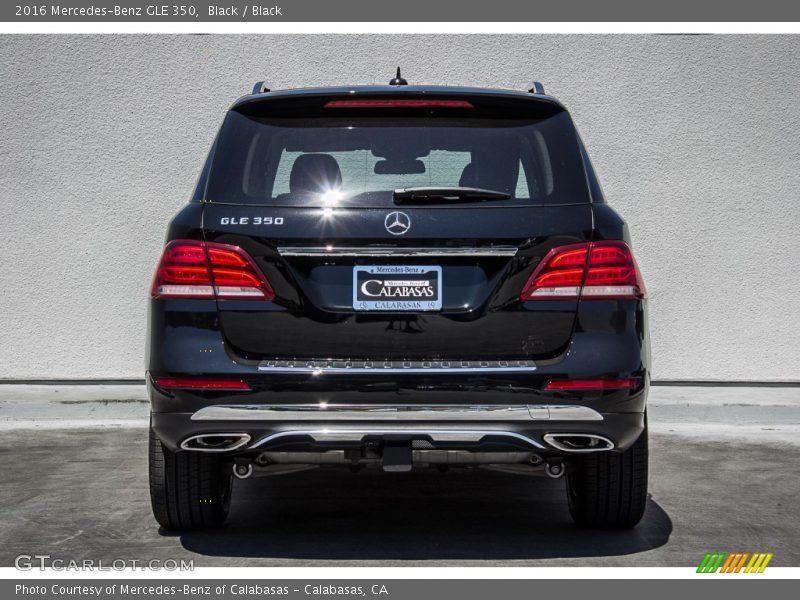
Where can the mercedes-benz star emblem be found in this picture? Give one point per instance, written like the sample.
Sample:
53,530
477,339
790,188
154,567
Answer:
397,223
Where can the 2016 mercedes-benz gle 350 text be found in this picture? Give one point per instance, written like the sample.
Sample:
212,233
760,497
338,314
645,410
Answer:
397,277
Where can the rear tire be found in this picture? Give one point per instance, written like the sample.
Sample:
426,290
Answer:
608,490
188,490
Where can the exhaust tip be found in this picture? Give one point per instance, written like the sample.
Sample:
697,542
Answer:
215,442
578,442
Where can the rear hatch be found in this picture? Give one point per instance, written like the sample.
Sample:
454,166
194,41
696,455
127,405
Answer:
307,186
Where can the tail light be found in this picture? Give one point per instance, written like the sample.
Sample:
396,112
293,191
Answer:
600,270
592,384
194,269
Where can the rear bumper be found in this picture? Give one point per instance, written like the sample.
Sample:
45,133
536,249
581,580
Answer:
474,407
500,404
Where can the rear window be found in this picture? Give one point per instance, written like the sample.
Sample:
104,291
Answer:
360,161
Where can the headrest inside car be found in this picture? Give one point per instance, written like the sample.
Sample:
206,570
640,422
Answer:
315,174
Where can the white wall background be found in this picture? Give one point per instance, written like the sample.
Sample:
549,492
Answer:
696,139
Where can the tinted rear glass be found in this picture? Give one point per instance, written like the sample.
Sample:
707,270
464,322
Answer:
360,161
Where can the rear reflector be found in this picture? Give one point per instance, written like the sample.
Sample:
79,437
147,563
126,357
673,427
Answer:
591,384
200,384
195,269
398,104
591,270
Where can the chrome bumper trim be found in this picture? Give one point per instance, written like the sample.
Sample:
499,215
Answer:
321,366
573,413
376,252
350,412
356,435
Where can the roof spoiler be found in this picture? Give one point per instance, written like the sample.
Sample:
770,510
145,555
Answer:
260,87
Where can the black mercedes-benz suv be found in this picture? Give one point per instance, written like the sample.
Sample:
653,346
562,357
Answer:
397,277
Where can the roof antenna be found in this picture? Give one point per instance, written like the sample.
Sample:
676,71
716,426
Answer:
398,80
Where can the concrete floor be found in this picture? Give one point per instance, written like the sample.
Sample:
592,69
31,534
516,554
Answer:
75,486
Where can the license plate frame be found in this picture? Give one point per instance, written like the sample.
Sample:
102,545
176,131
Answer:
373,298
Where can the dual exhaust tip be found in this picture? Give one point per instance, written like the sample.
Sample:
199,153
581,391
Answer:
216,442
578,442
573,443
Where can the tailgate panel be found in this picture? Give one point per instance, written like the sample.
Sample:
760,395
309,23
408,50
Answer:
485,255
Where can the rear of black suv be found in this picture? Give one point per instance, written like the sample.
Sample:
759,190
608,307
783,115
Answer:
397,277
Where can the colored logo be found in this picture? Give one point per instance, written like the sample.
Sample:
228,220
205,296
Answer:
738,562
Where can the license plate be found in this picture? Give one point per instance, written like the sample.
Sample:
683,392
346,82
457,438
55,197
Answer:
397,288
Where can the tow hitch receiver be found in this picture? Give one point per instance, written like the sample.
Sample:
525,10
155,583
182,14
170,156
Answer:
397,458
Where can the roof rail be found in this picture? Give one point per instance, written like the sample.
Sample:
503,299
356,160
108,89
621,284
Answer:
260,87
537,88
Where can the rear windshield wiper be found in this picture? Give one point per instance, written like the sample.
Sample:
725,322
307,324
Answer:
446,194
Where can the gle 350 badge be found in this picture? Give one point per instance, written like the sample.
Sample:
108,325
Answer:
397,288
